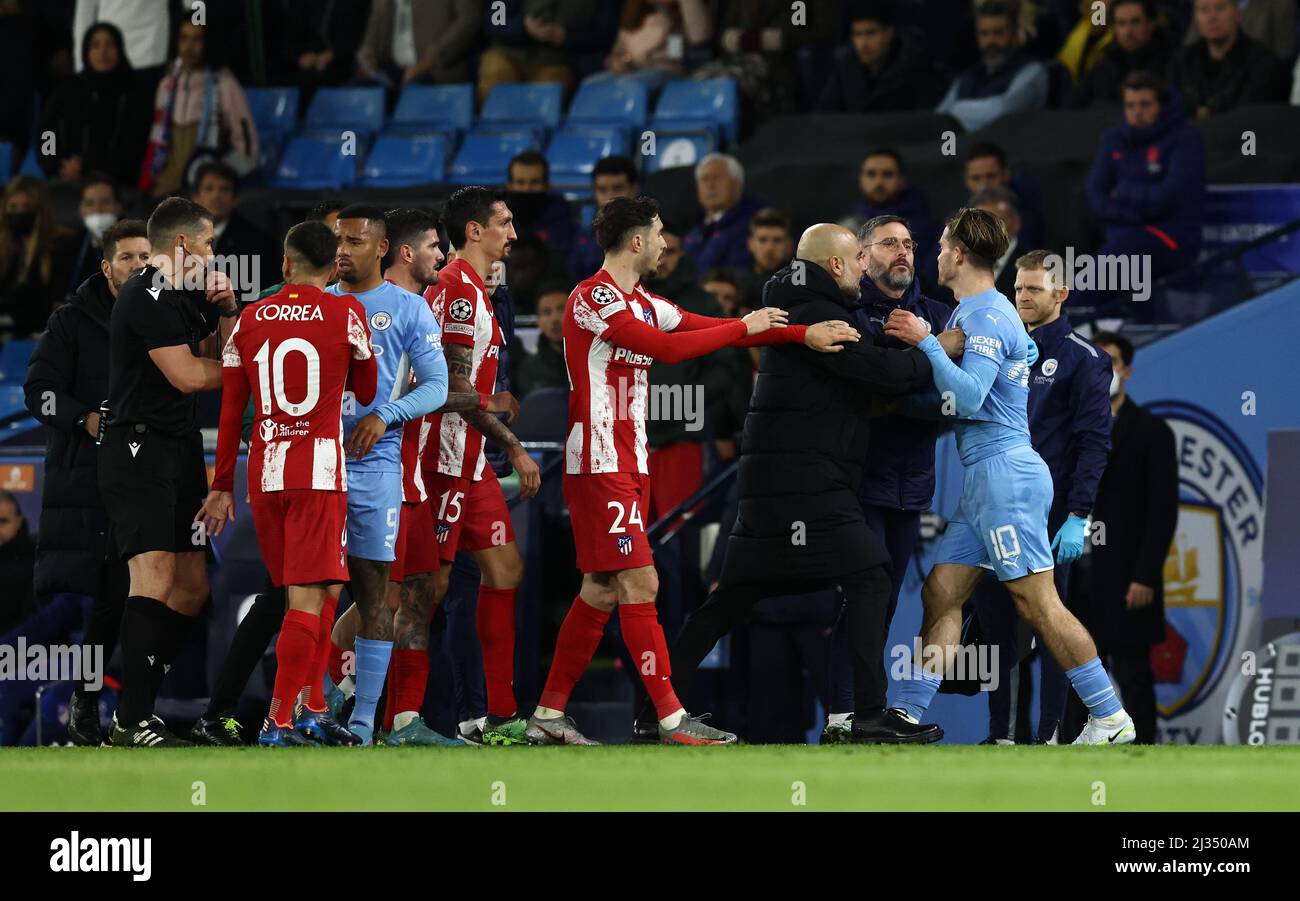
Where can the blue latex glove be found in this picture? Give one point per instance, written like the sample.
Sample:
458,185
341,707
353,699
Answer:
1068,542
1033,352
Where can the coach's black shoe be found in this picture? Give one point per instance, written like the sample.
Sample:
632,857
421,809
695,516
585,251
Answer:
83,719
217,732
645,731
891,727
150,733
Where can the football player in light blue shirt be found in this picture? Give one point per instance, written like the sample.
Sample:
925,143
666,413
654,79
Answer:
1001,520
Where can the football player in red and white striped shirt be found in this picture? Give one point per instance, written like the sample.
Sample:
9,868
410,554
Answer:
613,331
295,352
469,506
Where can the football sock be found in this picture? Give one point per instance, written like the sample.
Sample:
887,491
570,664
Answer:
295,650
645,642
247,648
411,668
313,692
1094,689
579,637
372,666
390,692
148,629
495,618
916,693
176,629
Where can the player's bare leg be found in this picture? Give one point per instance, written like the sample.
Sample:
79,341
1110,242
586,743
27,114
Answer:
1038,604
946,589
502,570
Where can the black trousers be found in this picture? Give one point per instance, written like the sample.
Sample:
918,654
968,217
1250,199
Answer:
866,598
1130,667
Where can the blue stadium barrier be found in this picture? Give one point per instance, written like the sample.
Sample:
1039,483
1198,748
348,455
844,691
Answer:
712,102
537,105
441,107
610,102
6,159
13,358
315,161
398,160
30,166
483,158
573,156
354,109
678,147
275,111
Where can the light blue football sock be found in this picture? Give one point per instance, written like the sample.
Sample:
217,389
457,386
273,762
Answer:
1094,689
916,693
372,669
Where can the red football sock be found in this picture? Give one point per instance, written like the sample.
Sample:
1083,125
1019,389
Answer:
294,652
390,687
579,637
645,641
335,660
313,692
495,619
411,668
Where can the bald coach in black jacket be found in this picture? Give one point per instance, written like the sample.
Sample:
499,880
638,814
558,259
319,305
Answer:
800,526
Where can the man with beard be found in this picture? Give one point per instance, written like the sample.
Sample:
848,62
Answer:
898,478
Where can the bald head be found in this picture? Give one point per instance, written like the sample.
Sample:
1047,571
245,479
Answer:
835,249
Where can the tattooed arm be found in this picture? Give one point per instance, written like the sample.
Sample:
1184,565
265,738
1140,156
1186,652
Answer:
459,370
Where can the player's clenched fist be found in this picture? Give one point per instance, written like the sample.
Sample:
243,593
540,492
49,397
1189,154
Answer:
830,336
953,342
907,327
760,321
219,289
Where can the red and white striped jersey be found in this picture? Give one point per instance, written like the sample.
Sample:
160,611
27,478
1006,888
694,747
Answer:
460,303
295,349
415,437
609,386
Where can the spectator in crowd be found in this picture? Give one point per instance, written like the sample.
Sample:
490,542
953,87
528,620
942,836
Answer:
544,41
36,256
654,39
881,68
987,167
67,379
17,557
1123,577
100,209
885,192
252,257
612,176
100,117
1002,203
771,244
1225,68
1141,42
1270,22
545,368
200,112
1005,80
319,42
721,238
1147,181
419,41
727,288
145,26
1088,40
537,211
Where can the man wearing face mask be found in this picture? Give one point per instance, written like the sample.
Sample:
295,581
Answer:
67,379
100,208
1070,429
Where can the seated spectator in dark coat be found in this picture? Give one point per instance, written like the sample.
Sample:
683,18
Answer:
987,167
432,43
1002,202
1147,184
1226,68
771,244
1271,22
100,208
885,192
612,176
1141,42
318,42
251,256
545,368
36,256
537,211
1005,80
881,68
545,41
721,239
99,117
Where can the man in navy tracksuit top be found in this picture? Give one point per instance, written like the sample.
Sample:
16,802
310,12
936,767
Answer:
898,479
1069,426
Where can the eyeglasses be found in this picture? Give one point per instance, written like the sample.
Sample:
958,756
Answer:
892,244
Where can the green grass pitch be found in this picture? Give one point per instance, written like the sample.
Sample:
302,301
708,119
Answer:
613,778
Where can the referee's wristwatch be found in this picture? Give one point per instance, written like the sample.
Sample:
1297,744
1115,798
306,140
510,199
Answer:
229,314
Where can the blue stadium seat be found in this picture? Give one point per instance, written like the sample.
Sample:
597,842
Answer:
275,111
6,159
314,162
572,156
398,160
537,105
483,158
355,109
611,102
710,102
13,359
430,107
30,166
678,147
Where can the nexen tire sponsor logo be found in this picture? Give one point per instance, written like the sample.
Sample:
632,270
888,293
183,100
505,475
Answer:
103,855
274,312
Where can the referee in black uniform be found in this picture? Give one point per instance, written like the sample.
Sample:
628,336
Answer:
152,473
